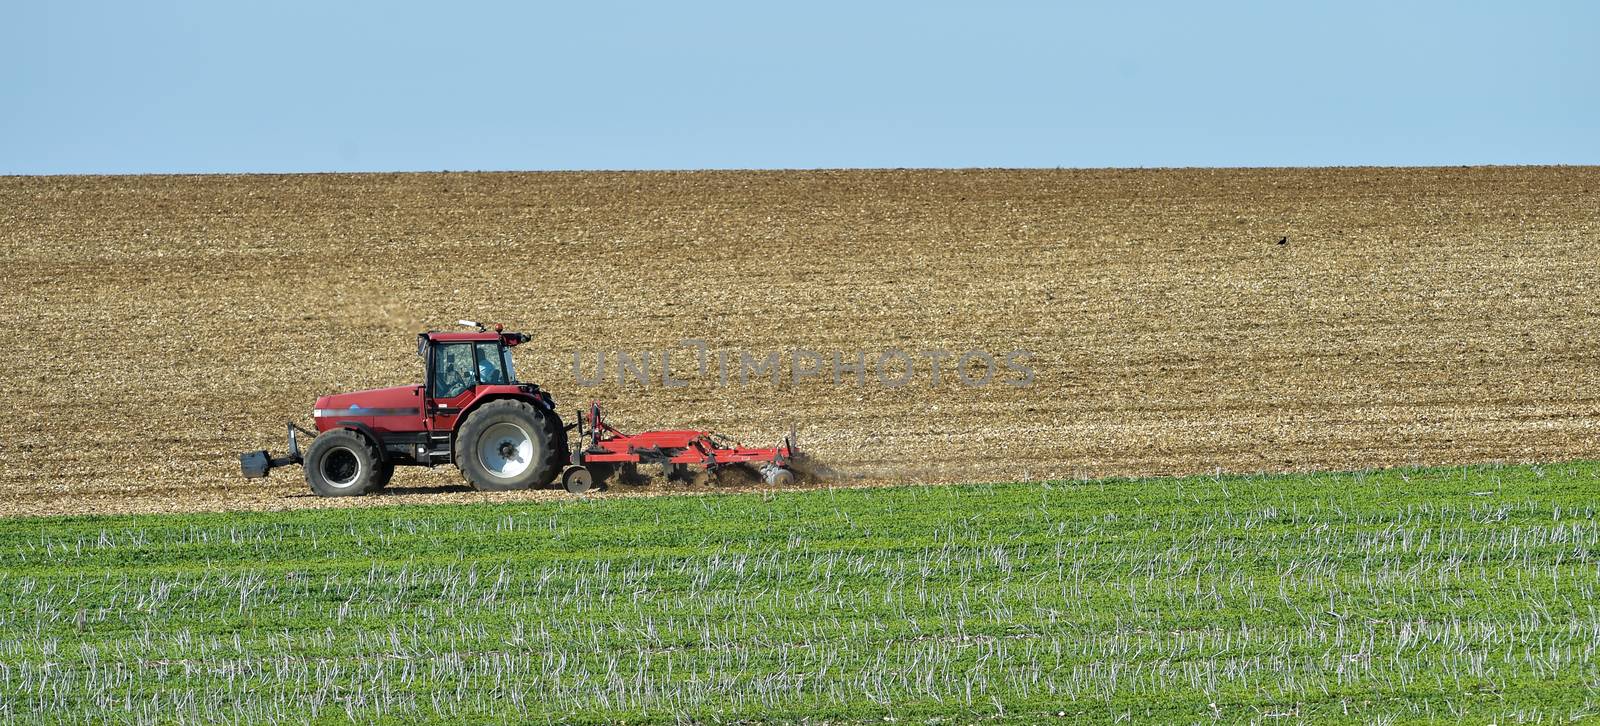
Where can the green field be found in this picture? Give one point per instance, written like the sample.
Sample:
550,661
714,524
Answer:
1446,594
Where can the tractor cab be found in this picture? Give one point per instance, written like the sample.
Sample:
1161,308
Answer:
463,370
457,362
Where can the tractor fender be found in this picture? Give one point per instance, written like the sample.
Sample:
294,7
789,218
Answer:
365,430
539,401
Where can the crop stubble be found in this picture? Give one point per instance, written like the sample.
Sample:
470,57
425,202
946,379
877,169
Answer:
156,326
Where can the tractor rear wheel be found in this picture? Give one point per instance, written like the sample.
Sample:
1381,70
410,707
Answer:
342,463
506,445
560,448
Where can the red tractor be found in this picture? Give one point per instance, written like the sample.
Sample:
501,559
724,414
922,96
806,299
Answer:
470,410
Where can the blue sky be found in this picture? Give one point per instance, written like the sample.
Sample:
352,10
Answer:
367,86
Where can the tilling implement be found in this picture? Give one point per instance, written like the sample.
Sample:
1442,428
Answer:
503,434
606,447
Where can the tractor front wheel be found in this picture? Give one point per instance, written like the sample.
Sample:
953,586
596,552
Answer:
506,445
381,480
342,463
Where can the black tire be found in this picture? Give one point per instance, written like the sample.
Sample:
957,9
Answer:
560,448
499,466
341,463
381,480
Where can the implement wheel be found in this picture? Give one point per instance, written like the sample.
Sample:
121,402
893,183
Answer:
577,479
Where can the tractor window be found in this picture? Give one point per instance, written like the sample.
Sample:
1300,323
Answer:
511,371
491,364
452,370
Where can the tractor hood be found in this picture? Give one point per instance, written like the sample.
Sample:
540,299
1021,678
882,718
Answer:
394,401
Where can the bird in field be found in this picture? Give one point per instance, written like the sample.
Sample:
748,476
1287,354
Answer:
1283,241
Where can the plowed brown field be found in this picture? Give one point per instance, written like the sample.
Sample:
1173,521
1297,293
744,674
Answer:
154,327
